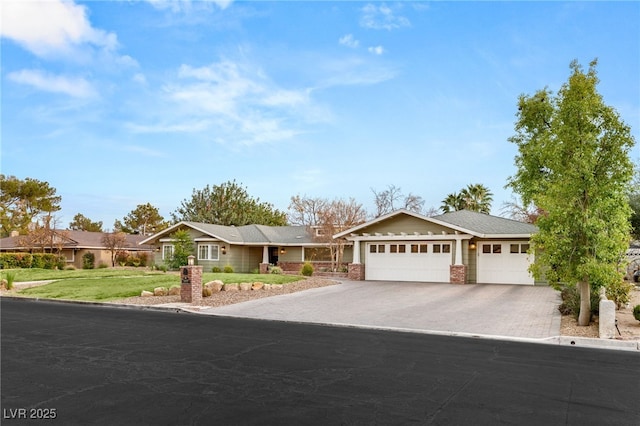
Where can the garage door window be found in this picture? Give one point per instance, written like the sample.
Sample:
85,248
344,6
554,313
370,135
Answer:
376,248
419,248
492,248
519,248
442,248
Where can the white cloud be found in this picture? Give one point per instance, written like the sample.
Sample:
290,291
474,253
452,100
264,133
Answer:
76,87
349,41
186,127
51,28
147,152
140,78
186,5
376,50
382,18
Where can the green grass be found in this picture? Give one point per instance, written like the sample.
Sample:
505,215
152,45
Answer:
112,284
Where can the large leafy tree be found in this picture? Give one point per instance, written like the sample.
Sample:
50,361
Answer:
82,223
634,203
145,219
182,248
573,163
228,204
475,197
21,201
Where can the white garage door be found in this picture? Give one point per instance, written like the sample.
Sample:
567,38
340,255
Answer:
504,262
408,261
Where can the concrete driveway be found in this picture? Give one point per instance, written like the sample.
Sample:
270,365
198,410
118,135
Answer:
497,310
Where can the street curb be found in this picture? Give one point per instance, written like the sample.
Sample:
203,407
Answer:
579,342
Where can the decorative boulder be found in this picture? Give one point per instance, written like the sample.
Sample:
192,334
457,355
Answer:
277,286
146,293
230,287
245,286
257,285
174,291
206,292
215,286
160,291
267,286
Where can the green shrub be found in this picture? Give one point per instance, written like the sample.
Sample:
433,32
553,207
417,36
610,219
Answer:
228,269
620,293
10,278
163,268
307,269
102,265
275,270
216,269
636,312
88,260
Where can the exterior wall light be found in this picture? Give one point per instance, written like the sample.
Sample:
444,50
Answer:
224,250
190,260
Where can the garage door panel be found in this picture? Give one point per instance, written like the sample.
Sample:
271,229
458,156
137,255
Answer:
394,265
504,262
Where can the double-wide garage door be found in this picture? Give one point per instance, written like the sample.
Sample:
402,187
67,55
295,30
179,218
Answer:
408,261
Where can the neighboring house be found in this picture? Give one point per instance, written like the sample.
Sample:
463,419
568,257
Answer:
74,244
458,247
246,248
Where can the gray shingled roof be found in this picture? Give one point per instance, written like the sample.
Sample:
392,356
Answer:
486,224
256,234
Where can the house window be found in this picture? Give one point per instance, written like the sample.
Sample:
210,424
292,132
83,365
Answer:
208,252
519,248
167,251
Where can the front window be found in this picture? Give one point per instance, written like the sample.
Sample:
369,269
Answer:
167,251
208,252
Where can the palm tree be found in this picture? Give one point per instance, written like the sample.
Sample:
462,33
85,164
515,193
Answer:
453,202
477,197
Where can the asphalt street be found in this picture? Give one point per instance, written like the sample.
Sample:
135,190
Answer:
84,364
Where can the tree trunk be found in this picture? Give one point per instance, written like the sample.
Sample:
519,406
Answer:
585,303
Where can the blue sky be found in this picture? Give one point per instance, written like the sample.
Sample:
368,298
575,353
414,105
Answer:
117,104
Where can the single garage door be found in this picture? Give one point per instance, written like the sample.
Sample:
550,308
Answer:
504,262
408,261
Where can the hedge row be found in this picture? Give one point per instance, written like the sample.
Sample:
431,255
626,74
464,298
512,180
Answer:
31,260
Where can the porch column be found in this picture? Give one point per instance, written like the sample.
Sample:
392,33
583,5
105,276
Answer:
356,252
458,252
302,255
265,254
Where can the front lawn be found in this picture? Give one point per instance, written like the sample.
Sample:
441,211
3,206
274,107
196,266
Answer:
113,284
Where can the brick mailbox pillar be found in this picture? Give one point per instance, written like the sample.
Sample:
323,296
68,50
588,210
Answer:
191,283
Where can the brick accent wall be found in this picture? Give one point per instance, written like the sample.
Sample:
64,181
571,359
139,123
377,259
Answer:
191,284
356,271
264,268
458,274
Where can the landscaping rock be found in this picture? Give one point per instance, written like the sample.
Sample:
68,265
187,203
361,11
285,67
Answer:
245,286
230,287
160,291
146,293
257,285
206,292
174,291
267,287
277,286
215,286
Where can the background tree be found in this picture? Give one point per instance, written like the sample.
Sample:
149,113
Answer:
114,242
475,197
573,163
182,248
145,219
516,210
306,210
336,216
82,223
634,203
21,201
228,204
44,236
392,199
